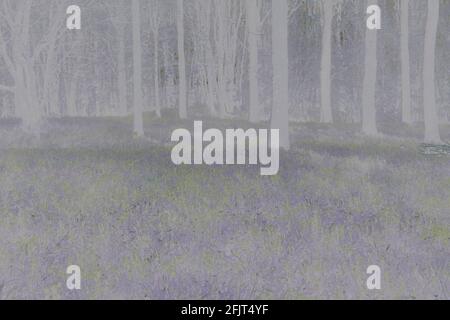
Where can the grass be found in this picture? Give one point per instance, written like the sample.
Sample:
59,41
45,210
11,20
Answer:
86,193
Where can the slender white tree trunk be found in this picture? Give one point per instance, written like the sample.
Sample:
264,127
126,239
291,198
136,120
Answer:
369,125
211,76
50,78
121,72
212,80
325,72
182,91
156,58
166,65
406,80
137,69
430,109
280,115
221,57
252,25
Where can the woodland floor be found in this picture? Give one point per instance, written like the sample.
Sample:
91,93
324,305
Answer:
86,193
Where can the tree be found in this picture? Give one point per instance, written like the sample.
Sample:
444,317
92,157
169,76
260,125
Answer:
182,91
203,52
280,62
325,70
29,57
219,53
121,62
137,69
369,125
155,21
430,109
72,71
405,61
253,32
227,25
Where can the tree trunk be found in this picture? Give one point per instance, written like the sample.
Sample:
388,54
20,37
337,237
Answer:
26,91
182,91
165,79
51,81
204,47
121,72
369,125
137,70
430,109
252,23
406,80
280,115
223,101
156,59
325,72
211,75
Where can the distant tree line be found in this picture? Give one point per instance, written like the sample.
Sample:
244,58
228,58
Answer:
260,60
